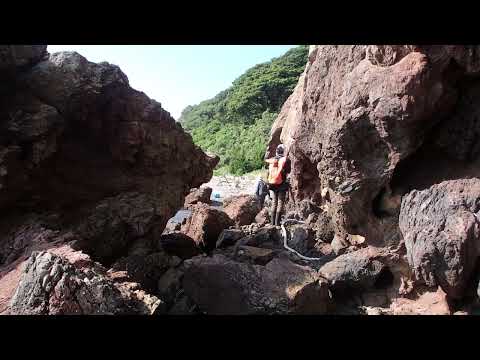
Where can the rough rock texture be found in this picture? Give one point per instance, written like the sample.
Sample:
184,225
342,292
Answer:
269,237
75,136
301,238
169,286
242,209
54,285
263,217
102,166
441,229
146,270
359,111
429,303
280,287
205,225
229,237
322,225
179,244
358,270
195,196
255,255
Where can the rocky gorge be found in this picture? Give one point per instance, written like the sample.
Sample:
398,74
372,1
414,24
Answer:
384,199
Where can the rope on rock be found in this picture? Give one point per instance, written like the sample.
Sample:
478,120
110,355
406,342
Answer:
285,236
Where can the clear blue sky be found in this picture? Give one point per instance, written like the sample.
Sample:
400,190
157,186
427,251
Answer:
179,75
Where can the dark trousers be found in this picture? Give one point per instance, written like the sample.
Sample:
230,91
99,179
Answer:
278,201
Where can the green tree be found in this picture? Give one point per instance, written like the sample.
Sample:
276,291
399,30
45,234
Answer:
236,123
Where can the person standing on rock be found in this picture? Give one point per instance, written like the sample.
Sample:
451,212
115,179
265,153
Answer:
278,170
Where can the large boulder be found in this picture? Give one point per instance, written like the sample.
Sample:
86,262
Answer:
242,209
89,155
195,196
205,225
111,137
355,271
179,244
280,287
441,229
361,113
59,285
82,141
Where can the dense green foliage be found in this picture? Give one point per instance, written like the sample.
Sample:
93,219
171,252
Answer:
235,124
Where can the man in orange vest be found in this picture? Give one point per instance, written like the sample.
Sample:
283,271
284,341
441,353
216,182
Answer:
278,169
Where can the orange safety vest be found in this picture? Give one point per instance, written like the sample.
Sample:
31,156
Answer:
275,168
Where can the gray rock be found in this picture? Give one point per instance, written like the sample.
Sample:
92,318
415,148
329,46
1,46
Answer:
255,255
229,237
195,196
51,285
441,229
357,270
280,287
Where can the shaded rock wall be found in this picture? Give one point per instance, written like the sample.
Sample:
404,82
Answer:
84,160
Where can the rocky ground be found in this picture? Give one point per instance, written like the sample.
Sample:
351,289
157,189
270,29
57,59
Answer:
219,188
385,193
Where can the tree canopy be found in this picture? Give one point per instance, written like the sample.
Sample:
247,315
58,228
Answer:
236,123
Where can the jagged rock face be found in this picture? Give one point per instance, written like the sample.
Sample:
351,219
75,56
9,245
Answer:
103,166
75,132
359,111
263,217
441,229
52,285
357,270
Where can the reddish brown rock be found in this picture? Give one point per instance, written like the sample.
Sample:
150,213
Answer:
359,112
441,230
205,225
70,284
146,270
280,287
195,196
84,144
242,209
89,154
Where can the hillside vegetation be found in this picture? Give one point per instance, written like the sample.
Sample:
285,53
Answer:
235,124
